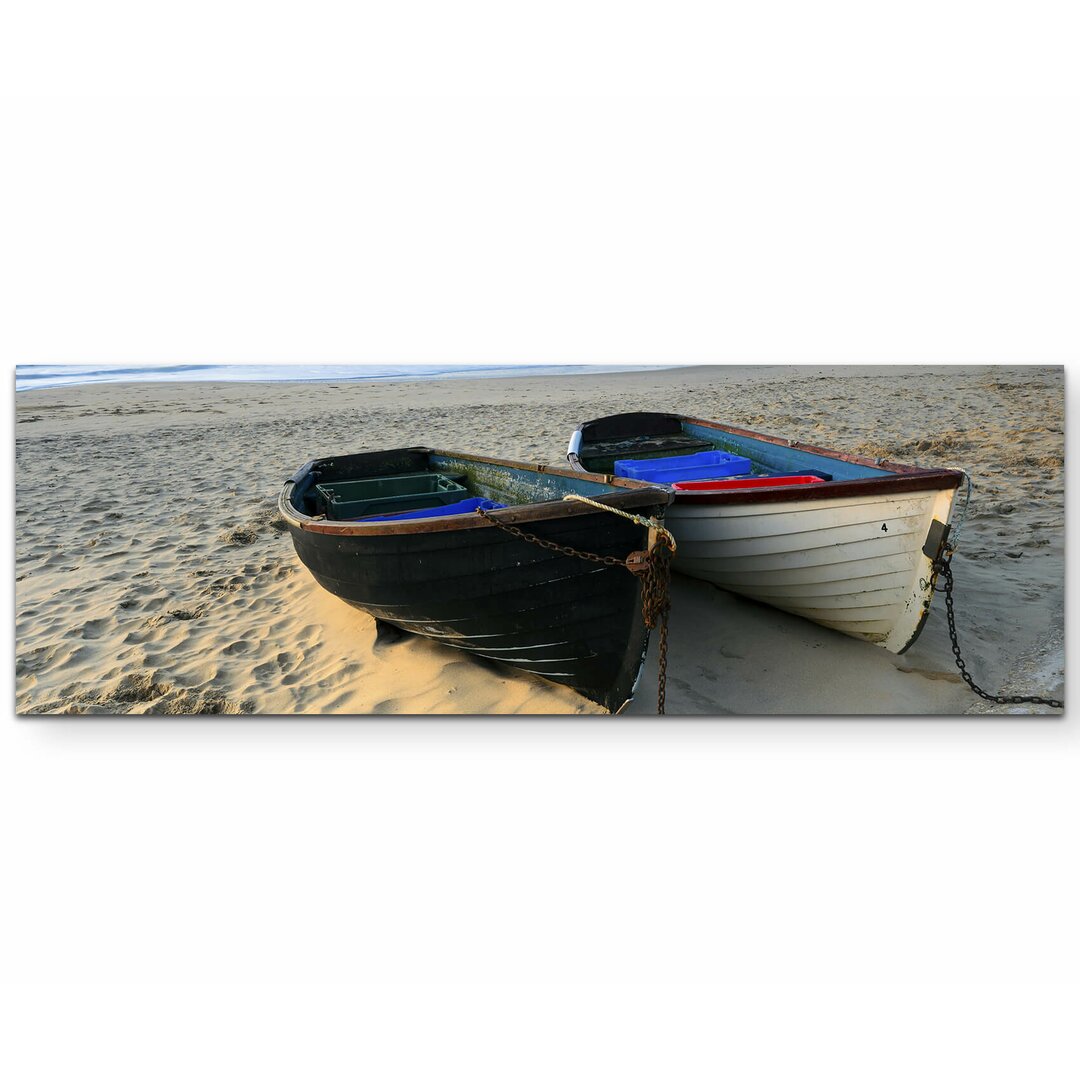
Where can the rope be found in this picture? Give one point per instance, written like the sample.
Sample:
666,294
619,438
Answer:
961,517
653,567
649,522
656,605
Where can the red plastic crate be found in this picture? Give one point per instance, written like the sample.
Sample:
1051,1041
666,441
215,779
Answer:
747,482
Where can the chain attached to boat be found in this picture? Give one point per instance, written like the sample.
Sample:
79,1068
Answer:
943,570
653,567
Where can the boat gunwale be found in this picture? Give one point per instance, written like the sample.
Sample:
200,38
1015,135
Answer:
637,494
929,480
904,478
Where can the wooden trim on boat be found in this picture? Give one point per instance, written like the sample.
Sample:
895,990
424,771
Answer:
925,480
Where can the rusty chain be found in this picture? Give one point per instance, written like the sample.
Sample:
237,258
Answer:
943,570
653,567
656,607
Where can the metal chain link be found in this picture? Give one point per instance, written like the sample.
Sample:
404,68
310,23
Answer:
562,549
654,569
944,570
656,607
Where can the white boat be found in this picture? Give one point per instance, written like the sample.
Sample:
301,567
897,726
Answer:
852,548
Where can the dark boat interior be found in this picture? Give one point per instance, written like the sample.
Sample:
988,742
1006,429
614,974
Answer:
421,483
628,437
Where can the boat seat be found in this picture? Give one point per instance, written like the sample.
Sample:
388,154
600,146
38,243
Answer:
652,444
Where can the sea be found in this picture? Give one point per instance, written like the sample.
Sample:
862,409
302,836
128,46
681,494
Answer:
44,376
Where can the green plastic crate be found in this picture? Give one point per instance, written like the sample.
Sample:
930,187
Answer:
348,499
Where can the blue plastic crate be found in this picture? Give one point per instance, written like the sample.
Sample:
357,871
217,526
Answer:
708,465
466,506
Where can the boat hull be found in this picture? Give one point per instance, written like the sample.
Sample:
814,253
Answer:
469,585
853,564
854,553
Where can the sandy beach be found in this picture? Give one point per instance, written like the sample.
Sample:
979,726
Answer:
153,575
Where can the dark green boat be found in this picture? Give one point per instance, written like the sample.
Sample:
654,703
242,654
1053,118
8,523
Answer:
396,534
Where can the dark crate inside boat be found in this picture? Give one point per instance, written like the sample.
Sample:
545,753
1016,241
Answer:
350,499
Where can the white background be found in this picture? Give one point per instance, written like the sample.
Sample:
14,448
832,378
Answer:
575,183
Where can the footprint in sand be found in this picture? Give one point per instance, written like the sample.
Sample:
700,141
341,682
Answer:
266,670
238,537
35,661
287,661
185,614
